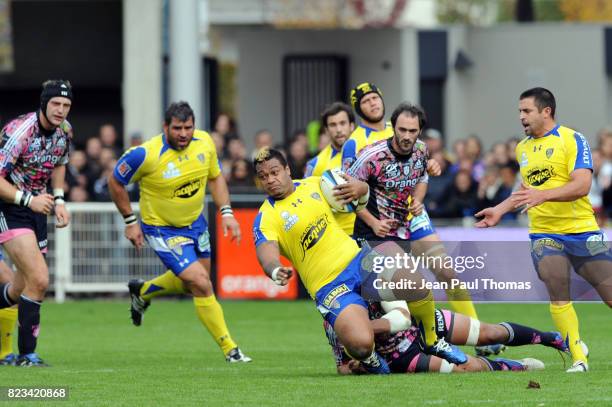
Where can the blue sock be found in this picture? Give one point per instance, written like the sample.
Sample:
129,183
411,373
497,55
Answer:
524,335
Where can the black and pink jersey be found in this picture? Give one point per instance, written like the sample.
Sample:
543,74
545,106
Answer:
392,178
28,154
390,347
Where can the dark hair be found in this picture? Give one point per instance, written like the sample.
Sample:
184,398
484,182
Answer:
542,98
180,111
412,111
266,154
334,109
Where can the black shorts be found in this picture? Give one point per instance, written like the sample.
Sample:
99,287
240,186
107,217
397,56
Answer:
17,220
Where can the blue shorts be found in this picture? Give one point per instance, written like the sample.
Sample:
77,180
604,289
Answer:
344,290
179,247
421,226
578,248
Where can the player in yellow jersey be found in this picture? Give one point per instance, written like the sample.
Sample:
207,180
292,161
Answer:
556,167
8,317
368,103
172,170
296,221
338,121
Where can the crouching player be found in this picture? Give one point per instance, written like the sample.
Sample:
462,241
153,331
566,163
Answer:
399,342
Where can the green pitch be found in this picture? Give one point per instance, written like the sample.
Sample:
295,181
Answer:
171,360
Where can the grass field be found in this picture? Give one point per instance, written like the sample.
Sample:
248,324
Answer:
171,360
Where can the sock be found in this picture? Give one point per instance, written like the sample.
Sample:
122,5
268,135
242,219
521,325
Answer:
5,300
524,335
423,311
8,316
460,301
165,284
210,313
566,322
502,364
29,324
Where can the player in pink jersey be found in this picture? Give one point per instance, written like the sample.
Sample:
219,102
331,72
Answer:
33,154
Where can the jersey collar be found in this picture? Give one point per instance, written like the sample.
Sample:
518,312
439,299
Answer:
273,201
554,131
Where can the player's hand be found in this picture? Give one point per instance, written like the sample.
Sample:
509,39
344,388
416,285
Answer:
134,234
416,207
281,275
528,198
382,228
42,203
351,191
356,367
433,168
62,216
490,216
230,223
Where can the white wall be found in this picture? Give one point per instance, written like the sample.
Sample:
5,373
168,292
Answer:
568,59
260,55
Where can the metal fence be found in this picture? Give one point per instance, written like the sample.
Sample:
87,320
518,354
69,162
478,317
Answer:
92,255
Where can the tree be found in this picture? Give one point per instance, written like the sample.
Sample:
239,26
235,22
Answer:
473,12
587,10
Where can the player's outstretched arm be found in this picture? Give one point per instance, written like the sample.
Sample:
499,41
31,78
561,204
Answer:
268,255
492,216
120,197
220,195
57,183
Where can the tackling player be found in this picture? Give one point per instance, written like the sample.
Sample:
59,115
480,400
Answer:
399,342
173,170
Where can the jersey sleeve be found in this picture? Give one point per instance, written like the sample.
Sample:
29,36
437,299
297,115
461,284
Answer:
129,167
361,168
349,153
264,229
578,154
67,128
310,166
340,356
12,145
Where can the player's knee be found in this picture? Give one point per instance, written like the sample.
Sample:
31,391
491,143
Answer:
39,283
491,334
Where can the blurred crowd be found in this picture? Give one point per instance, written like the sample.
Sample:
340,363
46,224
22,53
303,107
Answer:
472,178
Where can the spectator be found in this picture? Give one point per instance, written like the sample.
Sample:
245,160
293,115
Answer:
242,174
298,157
602,174
438,186
75,171
226,127
263,138
108,137
433,139
461,201
473,151
219,144
78,194
324,141
236,149
500,154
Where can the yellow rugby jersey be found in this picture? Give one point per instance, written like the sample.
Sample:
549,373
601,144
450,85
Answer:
362,136
307,234
327,159
172,183
547,163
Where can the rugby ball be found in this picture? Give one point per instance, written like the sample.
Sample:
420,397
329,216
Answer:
329,179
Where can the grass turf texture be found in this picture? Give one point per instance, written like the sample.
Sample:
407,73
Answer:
171,360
